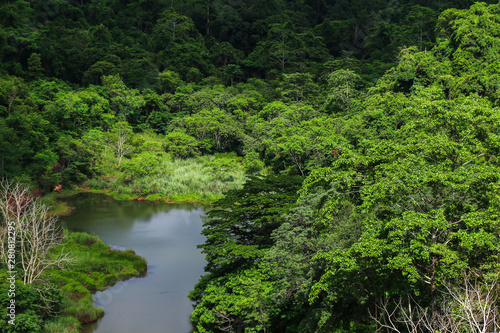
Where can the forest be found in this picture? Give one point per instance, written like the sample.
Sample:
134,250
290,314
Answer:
348,149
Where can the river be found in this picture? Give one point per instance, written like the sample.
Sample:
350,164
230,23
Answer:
167,236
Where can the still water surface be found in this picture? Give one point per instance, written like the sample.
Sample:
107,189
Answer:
166,236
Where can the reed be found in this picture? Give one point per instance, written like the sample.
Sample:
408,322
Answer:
202,179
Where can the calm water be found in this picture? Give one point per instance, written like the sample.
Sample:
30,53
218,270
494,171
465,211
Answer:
166,235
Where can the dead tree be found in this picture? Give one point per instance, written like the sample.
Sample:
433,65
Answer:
468,306
32,231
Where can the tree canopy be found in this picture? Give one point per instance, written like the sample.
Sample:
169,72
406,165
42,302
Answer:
349,148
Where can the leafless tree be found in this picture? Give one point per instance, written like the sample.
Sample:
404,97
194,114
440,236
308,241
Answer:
470,306
122,134
477,303
404,316
25,218
15,201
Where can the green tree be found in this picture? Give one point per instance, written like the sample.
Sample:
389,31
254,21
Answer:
180,144
280,48
214,129
424,202
299,87
470,48
11,151
240,234
169,81
171,26
236,292
252,163
35,68
416,29
125,102
78,111
344,87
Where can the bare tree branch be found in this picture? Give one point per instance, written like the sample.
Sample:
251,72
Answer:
34,230
471,306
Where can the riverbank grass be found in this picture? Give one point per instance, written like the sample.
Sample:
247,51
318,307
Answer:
202,179
66,324
96,267
57,206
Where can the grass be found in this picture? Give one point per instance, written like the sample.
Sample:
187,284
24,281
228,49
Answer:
65,324
96,267
199,179
58,207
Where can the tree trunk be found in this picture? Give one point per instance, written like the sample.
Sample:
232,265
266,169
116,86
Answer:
434,263
208,18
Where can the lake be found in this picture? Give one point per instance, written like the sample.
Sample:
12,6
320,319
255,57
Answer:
167,236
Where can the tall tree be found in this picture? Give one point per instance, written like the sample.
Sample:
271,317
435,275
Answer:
426,198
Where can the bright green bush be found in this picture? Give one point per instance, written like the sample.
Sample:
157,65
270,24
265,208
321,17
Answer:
181,144
29,306
252,163
144,164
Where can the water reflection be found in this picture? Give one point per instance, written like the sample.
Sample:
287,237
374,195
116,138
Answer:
166,235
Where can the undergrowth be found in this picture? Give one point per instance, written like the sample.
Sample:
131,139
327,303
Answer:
96,266
202,179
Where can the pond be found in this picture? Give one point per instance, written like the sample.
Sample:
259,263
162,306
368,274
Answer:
167,236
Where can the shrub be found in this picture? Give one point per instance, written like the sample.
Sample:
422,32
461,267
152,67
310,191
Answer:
252,163
140,166
181,145
83,238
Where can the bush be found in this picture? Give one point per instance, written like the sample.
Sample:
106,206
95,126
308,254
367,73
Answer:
97,267
84,312
181,145
29,306
252,163
141,165
83,238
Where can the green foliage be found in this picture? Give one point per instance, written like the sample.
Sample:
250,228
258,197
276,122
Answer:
97,267
175,179
29,307
299,87
169,81
35,68
215,130
252,163
181,145
77,111
344,86
418,198
387,108
237,291
223,169
417,28
62,325
141,165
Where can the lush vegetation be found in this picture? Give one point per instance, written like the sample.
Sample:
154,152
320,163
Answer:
61,301
98,89
351,147
201,178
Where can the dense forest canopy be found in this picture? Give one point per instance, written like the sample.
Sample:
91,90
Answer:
71,68
356,142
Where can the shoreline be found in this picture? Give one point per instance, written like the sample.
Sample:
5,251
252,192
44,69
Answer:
62,208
